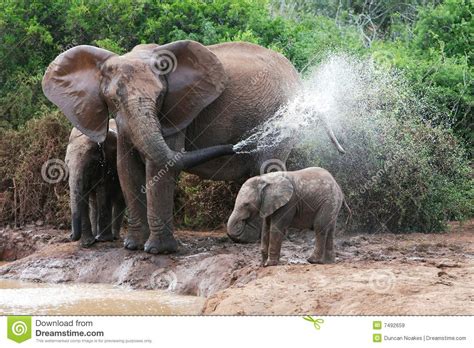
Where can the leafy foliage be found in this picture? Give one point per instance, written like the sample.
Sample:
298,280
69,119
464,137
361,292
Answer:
24,195
429,41
436,54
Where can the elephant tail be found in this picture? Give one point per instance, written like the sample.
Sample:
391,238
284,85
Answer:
349,211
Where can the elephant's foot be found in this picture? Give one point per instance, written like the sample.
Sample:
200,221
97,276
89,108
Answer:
320,260
272,262
134,240
132,243
161,245
86,242
105,237
74,237
329,259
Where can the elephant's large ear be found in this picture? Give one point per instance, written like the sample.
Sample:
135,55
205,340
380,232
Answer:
276,191
195,77
72,82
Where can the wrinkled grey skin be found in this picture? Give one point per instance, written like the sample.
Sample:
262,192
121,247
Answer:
305,199
97,203
214,96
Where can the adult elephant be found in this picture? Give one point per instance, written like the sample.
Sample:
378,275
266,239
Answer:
167,99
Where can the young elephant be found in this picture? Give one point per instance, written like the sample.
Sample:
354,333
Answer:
97,203
307,198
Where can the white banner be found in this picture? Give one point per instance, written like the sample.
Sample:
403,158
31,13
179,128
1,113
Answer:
213,331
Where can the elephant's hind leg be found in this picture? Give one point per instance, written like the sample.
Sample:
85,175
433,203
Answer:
324,227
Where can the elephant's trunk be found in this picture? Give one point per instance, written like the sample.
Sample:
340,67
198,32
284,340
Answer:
242,230
331,135
146,135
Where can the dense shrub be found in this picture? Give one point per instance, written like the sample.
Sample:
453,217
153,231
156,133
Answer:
415,179
436,54
24,195
203,203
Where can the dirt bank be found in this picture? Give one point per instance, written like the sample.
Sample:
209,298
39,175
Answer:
374,274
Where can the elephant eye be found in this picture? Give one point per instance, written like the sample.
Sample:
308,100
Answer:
106,69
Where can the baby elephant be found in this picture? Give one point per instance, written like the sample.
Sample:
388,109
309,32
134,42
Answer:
97,204
307,198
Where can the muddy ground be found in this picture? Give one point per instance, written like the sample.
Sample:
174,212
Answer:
373,274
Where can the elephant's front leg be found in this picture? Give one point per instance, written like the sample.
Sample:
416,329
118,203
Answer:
276,238
104,214
131,172
117,215
87,239
160,186
280,221
265,239
93,213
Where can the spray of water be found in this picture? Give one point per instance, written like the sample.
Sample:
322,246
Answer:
342,88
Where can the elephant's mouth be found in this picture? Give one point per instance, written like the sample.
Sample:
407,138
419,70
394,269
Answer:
245,231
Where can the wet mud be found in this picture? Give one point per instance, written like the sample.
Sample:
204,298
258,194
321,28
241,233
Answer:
373,274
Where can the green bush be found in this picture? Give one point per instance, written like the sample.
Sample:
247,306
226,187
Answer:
416,179
203,203
24,195
436,54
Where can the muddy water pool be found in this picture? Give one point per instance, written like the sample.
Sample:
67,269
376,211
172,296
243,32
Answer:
17,297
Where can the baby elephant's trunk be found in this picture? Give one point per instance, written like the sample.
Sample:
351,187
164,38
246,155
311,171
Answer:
244,230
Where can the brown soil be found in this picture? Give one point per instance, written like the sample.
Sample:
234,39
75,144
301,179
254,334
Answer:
374,274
